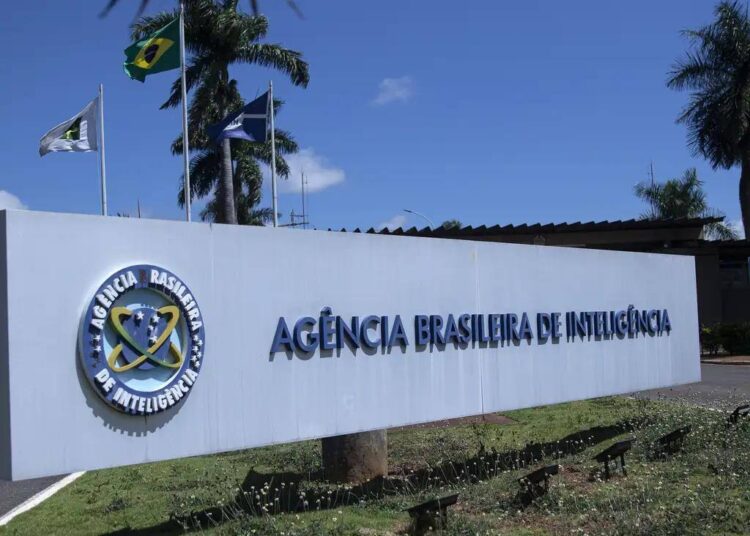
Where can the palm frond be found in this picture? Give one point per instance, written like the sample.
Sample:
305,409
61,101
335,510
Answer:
720,231
682,198
254,7
716,70
218,36
200,69
278,57
147,25
112,3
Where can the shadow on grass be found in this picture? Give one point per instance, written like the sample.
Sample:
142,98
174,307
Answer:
275,493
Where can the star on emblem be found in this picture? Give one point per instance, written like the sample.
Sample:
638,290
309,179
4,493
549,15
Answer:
152,339
96,339
97,349
139,316
155,318
196,338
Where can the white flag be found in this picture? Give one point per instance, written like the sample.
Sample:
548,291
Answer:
77,134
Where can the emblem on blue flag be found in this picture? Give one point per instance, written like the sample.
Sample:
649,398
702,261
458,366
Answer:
247,124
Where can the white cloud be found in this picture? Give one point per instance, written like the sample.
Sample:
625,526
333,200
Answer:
399,220
319,174
394,90
8,200
737,227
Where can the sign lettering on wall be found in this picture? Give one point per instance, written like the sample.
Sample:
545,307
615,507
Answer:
329,332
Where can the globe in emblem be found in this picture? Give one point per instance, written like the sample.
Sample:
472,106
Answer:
144,324
142,340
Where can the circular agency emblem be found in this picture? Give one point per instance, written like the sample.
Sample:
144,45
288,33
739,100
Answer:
142,340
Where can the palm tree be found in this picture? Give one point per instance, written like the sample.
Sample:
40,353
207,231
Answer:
718,113
682,198
144,4
206,167
218,35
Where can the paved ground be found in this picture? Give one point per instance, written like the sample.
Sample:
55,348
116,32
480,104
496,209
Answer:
732,360
721,386
14,493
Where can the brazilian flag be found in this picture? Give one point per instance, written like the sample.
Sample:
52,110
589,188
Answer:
154,54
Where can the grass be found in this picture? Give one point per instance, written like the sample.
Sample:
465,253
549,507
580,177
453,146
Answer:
277,490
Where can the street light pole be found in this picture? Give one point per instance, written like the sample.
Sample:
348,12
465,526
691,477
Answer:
428,220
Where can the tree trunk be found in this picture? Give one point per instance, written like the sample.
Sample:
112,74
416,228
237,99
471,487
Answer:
355,458
745,193
226,187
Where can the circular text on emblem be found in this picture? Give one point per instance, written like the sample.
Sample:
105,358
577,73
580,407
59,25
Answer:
142,340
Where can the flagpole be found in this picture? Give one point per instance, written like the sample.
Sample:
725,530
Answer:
185,143
102,160
273,158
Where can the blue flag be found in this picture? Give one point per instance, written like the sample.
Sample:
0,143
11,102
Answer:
247,124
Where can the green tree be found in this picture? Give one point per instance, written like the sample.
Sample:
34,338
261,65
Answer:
451,224
682,198
717,72
218,35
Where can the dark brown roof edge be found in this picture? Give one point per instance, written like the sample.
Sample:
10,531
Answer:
546,228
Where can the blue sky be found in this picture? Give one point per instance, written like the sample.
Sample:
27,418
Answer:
488,112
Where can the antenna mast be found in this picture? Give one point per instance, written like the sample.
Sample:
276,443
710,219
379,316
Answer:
304,211
299,220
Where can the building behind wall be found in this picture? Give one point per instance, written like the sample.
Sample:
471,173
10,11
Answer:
721,267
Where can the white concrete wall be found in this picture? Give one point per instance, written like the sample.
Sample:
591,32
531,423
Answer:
245,278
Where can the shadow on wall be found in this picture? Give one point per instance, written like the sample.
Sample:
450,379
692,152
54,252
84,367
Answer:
317,495
117,421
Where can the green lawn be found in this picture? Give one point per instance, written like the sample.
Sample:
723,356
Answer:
277,490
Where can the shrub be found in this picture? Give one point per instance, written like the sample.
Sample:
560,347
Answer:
735,338
710,340
731,338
